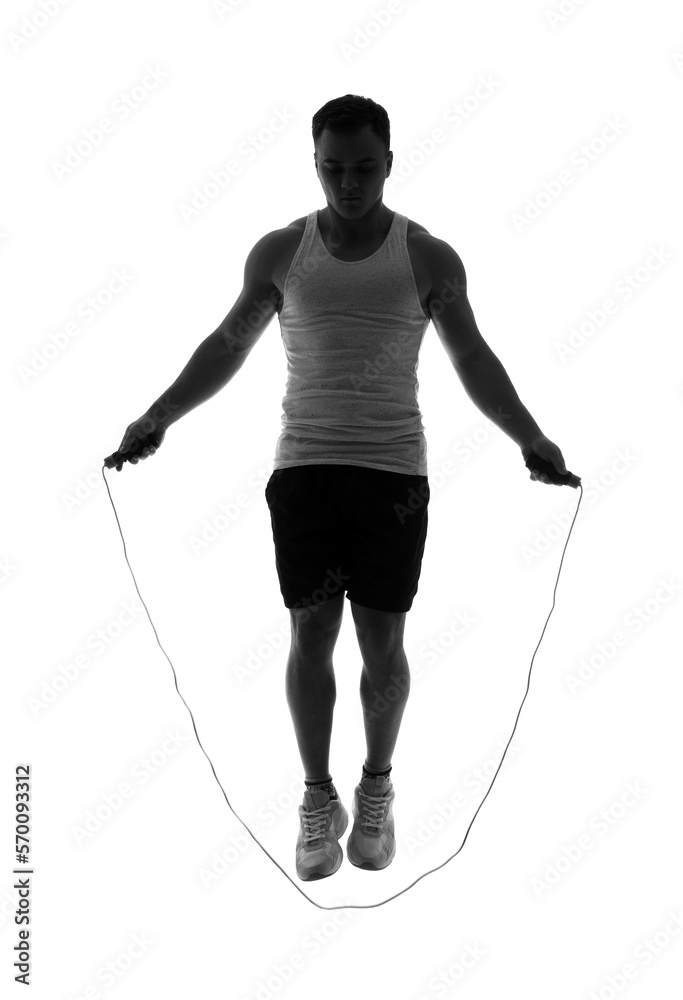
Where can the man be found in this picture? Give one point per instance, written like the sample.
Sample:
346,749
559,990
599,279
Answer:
355,286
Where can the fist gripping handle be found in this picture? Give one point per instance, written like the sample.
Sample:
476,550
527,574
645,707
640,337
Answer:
535,463
119,457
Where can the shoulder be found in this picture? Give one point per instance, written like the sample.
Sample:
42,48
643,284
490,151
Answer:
294,229
436,249
278,241
414,229
289,236
437,257
419,242
297,223
442,259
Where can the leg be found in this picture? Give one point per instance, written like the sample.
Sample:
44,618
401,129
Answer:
310,684
385,680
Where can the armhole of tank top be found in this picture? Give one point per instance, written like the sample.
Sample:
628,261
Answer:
409,264
295,258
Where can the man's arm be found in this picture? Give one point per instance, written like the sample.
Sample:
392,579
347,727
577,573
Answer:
220,356
484,379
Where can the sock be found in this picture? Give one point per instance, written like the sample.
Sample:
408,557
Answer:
321,785
375,774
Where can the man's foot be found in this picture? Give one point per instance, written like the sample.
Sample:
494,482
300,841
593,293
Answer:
322,822
372,844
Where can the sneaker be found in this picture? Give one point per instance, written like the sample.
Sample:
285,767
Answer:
322,822
372,844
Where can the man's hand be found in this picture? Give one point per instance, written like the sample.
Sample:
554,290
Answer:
142,438
545,448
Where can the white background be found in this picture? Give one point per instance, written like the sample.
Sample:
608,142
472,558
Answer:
542,913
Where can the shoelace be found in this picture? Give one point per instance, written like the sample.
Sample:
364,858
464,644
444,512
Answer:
372,809
314,822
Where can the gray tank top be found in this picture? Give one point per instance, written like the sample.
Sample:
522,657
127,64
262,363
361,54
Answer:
352,332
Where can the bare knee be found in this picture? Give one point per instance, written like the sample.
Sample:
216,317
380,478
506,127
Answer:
379,633
315,630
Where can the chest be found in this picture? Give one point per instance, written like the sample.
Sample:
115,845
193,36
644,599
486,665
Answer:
417,241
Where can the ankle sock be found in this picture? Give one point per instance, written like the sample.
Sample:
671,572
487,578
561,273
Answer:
324,784
376,774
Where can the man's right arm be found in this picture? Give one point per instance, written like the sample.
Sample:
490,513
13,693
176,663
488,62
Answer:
222,353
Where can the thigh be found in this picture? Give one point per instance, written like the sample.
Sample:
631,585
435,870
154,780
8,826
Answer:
385,536
307,536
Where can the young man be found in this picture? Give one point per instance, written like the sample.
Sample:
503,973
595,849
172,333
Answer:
355,287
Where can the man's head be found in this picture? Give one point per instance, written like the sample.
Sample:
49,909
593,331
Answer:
352,156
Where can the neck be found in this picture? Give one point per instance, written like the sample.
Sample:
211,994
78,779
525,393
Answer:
349,231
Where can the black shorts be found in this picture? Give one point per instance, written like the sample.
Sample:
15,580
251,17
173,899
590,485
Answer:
340,528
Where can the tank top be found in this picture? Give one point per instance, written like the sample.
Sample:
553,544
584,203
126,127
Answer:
352,332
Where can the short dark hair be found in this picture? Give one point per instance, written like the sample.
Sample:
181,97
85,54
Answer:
350,113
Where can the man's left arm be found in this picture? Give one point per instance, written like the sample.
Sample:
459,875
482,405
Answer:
482,375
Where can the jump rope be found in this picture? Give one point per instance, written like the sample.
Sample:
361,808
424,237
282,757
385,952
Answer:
535,464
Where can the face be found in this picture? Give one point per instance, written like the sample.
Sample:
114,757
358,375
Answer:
352,164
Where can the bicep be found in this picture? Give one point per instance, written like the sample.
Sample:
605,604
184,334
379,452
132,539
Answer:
257,302
449,306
